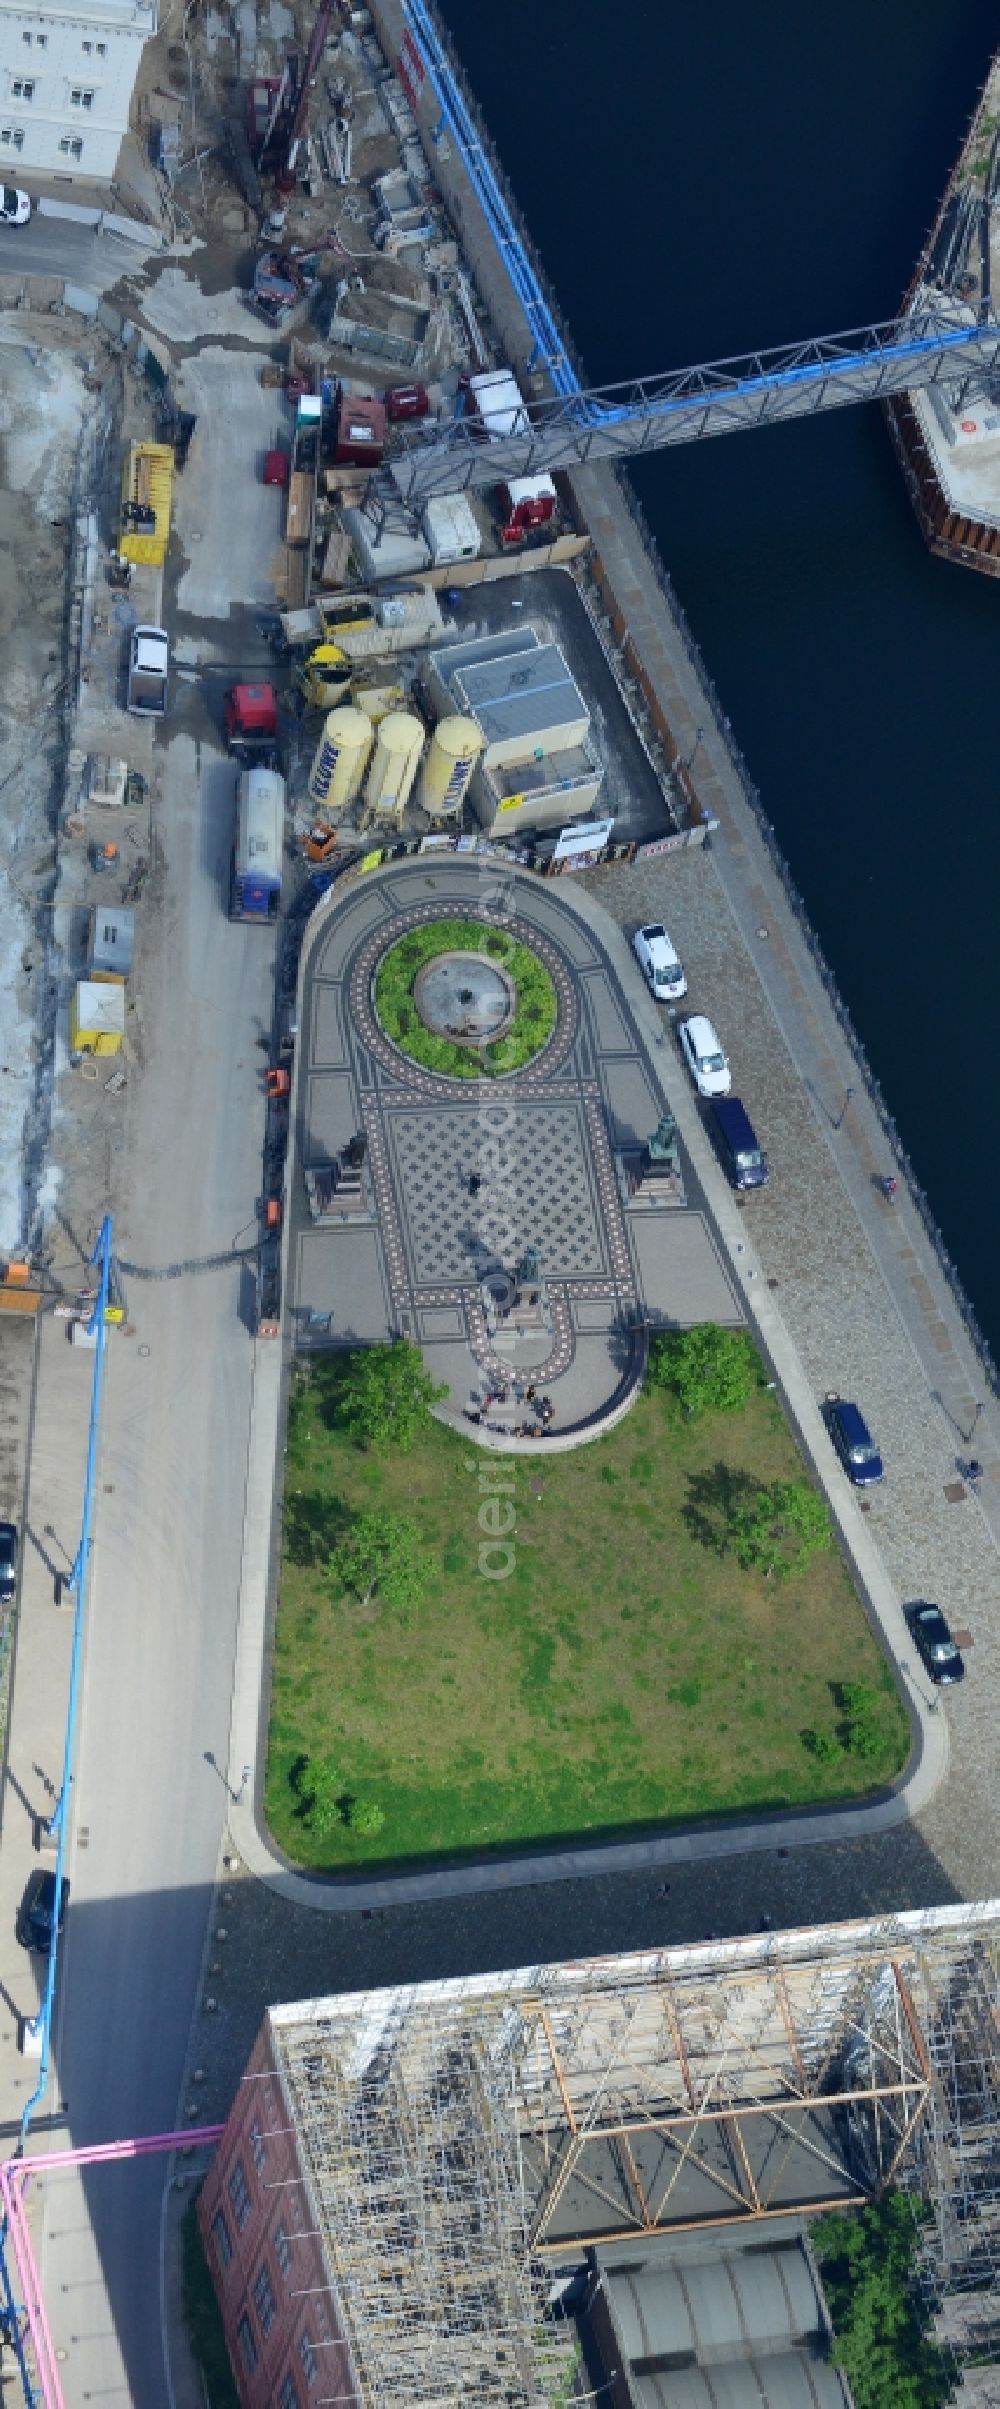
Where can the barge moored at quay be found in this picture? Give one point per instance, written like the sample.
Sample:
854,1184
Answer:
947,437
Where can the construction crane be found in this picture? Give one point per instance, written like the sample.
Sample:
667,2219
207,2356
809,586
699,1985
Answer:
936,342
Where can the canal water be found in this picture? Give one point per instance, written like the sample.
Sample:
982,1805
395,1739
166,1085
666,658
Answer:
703,180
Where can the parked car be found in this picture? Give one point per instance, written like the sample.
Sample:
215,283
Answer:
853,1441
704,1056
15,206
944,1661
658,961
8,1562
37,1909
737,1144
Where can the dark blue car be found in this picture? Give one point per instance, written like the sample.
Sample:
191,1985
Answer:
853,1441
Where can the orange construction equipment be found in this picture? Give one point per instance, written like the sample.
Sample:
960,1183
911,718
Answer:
272,1214
320,842
277,1083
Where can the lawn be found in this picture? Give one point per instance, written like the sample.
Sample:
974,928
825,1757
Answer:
531,1027
626,1673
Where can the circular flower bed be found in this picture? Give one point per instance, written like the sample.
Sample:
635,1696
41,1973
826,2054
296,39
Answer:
532,1022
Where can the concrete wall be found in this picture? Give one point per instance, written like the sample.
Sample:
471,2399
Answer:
273,2254
66,84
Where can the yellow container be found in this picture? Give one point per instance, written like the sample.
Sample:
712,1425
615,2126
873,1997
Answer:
97,1018
148,477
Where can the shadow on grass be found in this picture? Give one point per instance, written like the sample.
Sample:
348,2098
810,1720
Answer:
712,1498
314,1525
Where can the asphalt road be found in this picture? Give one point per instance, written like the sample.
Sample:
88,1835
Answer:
57,246
165,1586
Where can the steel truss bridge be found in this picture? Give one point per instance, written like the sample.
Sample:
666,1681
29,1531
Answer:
623,422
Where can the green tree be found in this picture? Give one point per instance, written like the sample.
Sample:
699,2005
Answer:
383,1552
778,1527
323,1786
867,2264
709,1370
365,1817
388,1395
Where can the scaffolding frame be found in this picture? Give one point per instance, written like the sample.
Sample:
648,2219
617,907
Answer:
465,2143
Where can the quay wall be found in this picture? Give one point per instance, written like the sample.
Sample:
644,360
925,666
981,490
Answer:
633,600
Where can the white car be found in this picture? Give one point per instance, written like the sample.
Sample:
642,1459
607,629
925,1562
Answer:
704,1056
658,962
15,207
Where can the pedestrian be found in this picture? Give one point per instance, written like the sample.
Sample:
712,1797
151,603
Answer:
475,1183
889,1186
974,1470
530,1393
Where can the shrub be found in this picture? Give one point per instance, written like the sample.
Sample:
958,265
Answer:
707,1369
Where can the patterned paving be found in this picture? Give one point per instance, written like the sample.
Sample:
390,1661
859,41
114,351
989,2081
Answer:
544,1195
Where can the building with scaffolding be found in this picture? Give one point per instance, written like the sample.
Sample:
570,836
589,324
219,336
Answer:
415,2183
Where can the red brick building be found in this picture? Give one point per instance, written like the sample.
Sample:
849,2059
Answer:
260,2228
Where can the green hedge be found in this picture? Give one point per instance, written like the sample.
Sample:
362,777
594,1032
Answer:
534,1017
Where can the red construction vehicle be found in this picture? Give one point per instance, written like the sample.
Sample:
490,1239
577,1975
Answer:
250,715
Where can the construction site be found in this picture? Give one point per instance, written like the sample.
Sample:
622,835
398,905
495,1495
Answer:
480,2157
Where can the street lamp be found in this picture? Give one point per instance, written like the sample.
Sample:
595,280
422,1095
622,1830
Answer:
699,738
839,1122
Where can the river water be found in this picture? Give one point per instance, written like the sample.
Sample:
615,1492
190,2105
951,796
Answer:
703,180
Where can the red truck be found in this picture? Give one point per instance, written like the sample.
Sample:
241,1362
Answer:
250,715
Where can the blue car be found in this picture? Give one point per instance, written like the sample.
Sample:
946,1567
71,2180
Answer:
853,1441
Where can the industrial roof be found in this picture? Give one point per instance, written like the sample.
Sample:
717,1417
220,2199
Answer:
718,2322
513,687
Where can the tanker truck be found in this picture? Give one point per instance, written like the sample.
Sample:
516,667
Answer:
255,886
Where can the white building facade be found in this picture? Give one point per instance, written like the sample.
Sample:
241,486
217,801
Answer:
67,74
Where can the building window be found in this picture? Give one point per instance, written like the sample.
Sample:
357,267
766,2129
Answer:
26,37
86,48
248,2347
288,2397
282,2249
101,49
71,146
80,97
239,2194
308,2358
23,87
258,2147
12,137
41,41
222,2238
264,2300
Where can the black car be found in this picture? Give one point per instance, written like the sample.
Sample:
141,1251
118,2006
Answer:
8,1562
944,1662
853,1441
36,1911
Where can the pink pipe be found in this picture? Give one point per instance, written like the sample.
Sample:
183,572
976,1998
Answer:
38,2326
15,2174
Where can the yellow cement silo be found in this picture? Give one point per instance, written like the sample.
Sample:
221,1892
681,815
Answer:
397,759
340,758
454,750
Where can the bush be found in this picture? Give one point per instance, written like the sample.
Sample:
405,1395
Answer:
365,1817
707,1369
867,2264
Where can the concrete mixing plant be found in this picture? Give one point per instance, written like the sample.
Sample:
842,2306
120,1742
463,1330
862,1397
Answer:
452,755
394,768
340,759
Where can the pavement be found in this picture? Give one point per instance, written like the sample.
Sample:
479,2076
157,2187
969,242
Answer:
86,255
